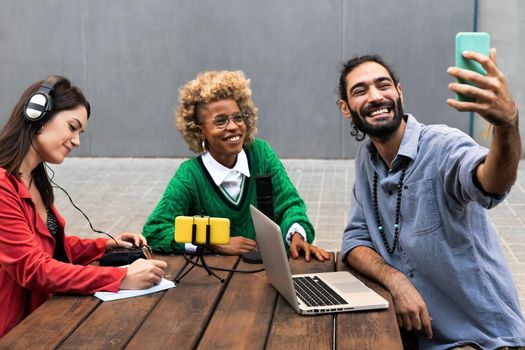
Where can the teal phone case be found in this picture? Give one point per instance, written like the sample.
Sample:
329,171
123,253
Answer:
470,41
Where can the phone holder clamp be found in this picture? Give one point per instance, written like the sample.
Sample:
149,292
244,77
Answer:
199,253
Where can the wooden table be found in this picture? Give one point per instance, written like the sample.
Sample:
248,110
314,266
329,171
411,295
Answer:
244,312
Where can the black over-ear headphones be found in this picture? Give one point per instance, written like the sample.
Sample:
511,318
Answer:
39,105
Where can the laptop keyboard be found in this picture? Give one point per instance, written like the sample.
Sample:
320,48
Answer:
314,292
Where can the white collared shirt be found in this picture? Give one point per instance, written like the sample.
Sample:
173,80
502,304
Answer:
229,179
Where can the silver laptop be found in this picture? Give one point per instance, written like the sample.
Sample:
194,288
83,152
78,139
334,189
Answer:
312,293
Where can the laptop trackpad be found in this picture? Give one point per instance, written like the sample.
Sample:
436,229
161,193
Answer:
350,287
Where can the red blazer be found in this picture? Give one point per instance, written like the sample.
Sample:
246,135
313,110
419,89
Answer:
29,274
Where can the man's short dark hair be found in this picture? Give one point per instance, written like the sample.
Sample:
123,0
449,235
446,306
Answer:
353,63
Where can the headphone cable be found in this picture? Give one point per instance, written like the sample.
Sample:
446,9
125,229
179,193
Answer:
191,261
55,185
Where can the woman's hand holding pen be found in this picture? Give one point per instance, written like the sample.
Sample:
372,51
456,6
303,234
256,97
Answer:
141,273
144,274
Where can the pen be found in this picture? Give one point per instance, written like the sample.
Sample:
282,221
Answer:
147,252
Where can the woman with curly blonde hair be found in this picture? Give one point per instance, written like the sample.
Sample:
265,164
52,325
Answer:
217,118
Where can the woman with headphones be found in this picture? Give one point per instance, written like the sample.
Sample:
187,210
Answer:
36,258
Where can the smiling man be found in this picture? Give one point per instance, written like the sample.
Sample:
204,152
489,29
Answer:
418,222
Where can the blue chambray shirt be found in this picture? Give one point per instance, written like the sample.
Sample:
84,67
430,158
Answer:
448,246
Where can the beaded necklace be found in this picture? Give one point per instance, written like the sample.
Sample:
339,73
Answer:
397,213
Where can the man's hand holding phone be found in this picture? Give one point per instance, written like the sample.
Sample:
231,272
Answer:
490,97
492,101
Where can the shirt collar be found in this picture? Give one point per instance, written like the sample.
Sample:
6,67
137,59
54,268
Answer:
219,172
409,144
21,188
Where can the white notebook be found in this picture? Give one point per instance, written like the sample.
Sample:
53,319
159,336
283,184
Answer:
130,293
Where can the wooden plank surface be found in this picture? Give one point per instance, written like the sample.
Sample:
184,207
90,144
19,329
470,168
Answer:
290,330
368,329
244,312
114,323
243,316
181,316
50,324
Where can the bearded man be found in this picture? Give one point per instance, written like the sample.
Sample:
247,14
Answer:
418,222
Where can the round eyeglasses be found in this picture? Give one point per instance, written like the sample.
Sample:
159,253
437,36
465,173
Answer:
221,121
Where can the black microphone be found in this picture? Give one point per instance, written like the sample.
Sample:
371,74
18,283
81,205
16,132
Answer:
264,195
264,191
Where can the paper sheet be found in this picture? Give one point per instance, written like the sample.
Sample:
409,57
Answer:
130,293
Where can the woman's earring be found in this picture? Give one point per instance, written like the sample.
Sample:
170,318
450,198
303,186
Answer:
204,145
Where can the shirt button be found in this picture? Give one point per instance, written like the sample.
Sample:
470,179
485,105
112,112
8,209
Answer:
411,275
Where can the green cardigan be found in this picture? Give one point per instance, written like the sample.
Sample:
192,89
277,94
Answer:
192,192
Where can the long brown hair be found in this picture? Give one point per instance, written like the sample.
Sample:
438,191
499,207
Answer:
17,134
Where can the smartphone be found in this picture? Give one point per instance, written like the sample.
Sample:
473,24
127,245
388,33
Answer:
470,41
219,229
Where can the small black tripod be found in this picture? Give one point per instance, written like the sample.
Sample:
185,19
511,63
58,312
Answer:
201,251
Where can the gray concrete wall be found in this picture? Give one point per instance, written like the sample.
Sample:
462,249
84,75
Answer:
131,56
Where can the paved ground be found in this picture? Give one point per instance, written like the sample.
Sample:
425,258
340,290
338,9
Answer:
118,194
